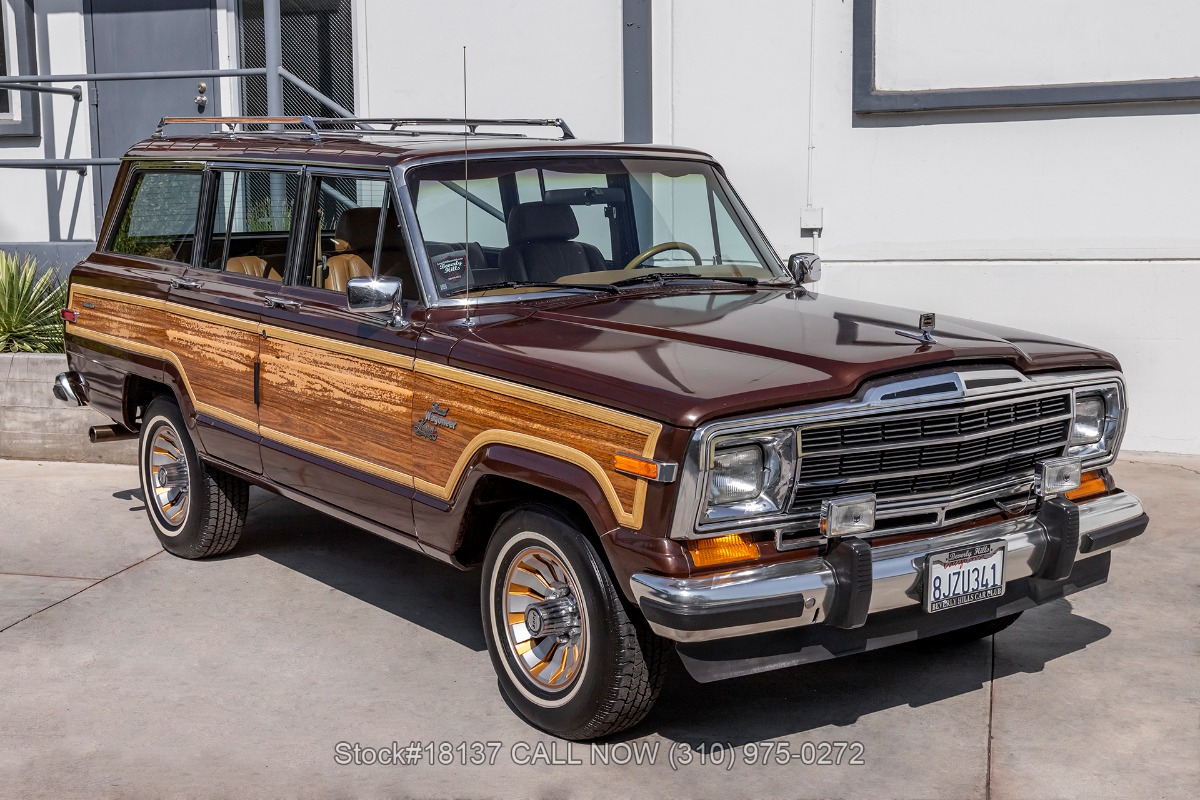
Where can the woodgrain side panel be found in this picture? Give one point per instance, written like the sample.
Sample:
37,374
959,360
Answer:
347,408
486,411
357,405
214,353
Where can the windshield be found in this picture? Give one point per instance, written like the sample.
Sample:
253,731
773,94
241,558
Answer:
540,223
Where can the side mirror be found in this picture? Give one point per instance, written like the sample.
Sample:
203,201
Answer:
374,296
804,268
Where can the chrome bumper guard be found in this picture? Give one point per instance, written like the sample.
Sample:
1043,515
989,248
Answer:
827,590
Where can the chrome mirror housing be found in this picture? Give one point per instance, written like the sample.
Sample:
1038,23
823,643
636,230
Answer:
804,268
373,295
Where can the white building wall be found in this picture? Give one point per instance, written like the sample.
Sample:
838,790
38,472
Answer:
52,204
525,58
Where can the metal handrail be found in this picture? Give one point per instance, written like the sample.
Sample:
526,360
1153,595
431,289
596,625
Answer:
133,76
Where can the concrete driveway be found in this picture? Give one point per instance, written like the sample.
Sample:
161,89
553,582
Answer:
126,672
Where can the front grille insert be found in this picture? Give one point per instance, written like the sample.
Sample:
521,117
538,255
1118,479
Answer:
940,452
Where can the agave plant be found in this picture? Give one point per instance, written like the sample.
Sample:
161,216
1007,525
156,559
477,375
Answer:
29,306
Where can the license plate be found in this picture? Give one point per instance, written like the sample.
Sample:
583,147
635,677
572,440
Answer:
964,575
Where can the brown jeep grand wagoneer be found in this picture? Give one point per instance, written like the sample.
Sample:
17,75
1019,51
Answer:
582,368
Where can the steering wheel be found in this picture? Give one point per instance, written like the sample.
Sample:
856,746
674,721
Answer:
641,257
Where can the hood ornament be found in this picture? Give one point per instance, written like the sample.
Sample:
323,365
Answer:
927,323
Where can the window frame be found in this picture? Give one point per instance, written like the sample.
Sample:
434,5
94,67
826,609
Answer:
301,224
17,26
212,172
132,176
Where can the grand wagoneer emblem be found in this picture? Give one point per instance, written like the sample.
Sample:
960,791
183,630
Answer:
436,417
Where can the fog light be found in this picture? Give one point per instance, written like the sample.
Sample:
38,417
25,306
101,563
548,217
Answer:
846,516
1056,476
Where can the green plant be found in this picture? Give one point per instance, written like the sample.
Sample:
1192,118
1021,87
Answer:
29,306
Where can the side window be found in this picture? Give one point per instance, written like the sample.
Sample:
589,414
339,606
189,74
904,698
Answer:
159,219
354,232
251,222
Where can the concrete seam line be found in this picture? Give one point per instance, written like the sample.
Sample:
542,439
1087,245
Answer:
56,577
81,591
987,777
1164,464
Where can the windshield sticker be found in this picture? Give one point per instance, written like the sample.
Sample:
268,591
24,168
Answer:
450,268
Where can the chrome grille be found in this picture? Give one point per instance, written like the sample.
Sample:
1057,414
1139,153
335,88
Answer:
938,452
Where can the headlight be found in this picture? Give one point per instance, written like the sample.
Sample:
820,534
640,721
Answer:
1097,424
749,475
1089,420
736,475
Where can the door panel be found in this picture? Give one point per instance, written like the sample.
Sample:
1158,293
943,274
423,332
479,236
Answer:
336,402
216,334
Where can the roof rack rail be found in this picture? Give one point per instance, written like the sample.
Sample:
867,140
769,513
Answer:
338,125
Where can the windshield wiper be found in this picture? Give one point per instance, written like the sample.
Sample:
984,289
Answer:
664,277
483,287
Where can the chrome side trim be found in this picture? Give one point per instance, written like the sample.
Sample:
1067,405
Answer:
897,574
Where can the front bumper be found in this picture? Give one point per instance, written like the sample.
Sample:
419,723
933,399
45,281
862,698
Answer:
853,582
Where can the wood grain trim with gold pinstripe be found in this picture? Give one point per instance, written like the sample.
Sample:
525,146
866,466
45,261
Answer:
486,410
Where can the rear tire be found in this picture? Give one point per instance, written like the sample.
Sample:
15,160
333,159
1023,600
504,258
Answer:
196,511
596,669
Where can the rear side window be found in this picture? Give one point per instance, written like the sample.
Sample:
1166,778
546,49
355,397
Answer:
250,222
159,220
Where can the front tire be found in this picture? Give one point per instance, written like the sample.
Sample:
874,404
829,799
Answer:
568,655
196,511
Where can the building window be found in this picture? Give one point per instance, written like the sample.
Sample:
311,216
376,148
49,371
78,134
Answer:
19,111
317,43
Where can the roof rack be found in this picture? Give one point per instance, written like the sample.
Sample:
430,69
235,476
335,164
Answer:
343,125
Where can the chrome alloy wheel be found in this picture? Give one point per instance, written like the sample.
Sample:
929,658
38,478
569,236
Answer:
168,474
546,625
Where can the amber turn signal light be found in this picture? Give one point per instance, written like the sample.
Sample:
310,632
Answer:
632,465
1090,484
722,549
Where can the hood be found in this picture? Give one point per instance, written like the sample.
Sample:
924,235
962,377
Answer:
685,357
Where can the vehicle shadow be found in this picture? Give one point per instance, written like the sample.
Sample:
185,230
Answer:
367,567
735,712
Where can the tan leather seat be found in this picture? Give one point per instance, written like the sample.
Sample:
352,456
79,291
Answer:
357,228
342,268
246,265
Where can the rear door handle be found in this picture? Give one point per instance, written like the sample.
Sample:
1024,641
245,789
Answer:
180,283
271,301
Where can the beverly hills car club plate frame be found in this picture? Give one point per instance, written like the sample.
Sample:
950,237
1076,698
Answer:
964,575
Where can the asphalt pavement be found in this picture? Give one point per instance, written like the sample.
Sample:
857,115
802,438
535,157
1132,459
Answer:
296,664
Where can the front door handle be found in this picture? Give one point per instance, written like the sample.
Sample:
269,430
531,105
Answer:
271,301
180,283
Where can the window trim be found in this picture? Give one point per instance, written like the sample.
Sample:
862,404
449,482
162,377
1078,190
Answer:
24,118
308,191
212,172
133,175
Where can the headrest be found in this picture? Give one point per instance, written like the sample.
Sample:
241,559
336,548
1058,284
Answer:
358,226
538,222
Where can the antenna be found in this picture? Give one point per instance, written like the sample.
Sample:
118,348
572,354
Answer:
466,201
